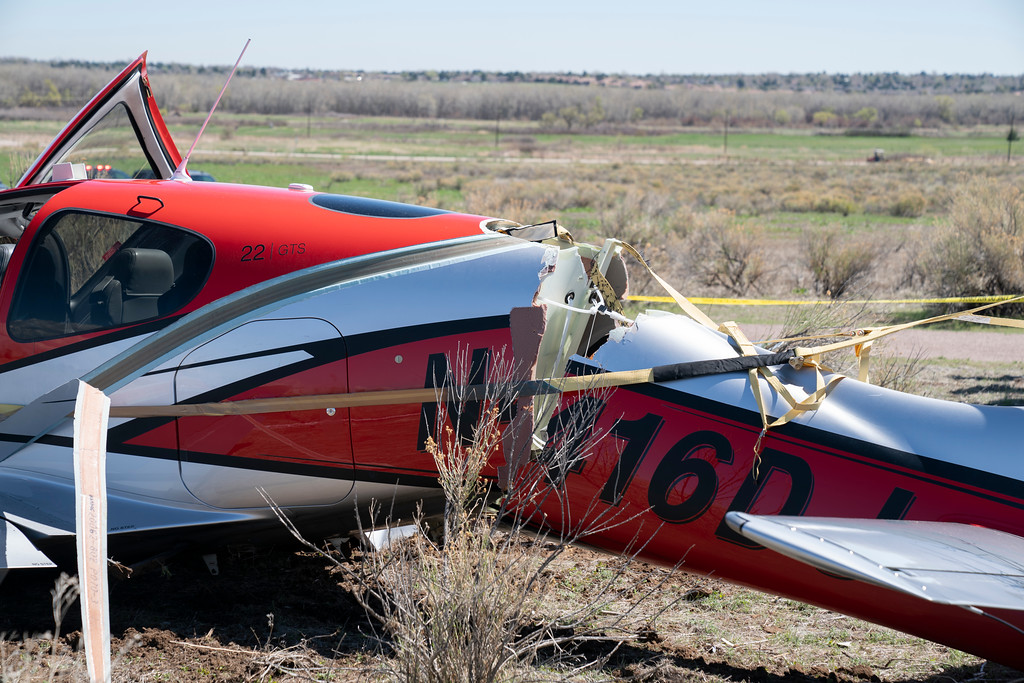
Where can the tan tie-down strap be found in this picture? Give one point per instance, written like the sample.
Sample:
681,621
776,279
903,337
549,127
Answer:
407,396
380,398
685,304
757,365
988,320
861,341
811,402
554,385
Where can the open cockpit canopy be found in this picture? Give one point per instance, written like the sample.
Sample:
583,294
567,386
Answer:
119,133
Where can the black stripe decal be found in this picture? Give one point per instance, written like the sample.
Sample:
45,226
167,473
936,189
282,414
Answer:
343,471
375,341
250,301
898,504
86,344
312,348
923,468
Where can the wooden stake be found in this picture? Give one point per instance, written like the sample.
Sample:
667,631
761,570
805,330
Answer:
92,409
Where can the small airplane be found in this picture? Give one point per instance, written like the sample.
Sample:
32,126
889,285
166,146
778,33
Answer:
278,341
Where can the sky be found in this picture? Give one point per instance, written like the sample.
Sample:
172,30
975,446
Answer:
626,36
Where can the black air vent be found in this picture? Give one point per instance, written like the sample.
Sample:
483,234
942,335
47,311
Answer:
378,208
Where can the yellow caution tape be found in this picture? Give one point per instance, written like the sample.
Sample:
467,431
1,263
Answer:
860,340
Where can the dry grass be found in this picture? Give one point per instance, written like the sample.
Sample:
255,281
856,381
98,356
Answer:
713,632
466,599
978,248
837,265
671,210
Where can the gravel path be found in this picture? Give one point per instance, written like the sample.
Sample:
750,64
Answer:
979,344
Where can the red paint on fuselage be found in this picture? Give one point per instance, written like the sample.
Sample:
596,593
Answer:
258,233
669,473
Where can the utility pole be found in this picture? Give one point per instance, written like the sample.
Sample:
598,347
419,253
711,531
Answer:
1011,137
725,144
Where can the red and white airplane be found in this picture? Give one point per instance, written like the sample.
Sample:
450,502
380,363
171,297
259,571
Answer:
175,297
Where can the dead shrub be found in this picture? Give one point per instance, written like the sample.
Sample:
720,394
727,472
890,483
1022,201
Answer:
837,265
896,372
805,201
727,254
503,200
978,250
909,205
639,218
31,659
649,221
819,324
799,201
465,599
836,202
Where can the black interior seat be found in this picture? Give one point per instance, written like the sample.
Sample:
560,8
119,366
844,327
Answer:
196,266
5,256
40,309
144,276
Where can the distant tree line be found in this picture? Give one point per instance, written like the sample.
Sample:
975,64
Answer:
933,83
891,102
814,82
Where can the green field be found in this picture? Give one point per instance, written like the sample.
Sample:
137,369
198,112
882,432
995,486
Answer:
714,225
476,139
670,189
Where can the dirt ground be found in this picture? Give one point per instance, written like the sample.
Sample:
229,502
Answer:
974,345
280,614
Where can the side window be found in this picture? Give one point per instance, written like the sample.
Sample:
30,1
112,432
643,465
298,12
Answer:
88,272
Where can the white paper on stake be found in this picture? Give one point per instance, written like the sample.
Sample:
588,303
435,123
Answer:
92,409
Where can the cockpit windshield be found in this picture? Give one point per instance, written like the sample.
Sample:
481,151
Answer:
118,134
110,149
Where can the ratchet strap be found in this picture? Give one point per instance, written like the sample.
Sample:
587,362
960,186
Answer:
757,365
476,392
861,340
810,402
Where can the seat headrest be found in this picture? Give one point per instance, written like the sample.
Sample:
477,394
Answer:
144,271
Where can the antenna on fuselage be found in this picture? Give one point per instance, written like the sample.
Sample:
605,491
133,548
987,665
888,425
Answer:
180,173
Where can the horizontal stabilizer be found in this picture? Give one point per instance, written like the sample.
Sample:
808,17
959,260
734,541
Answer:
943,562
17,551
